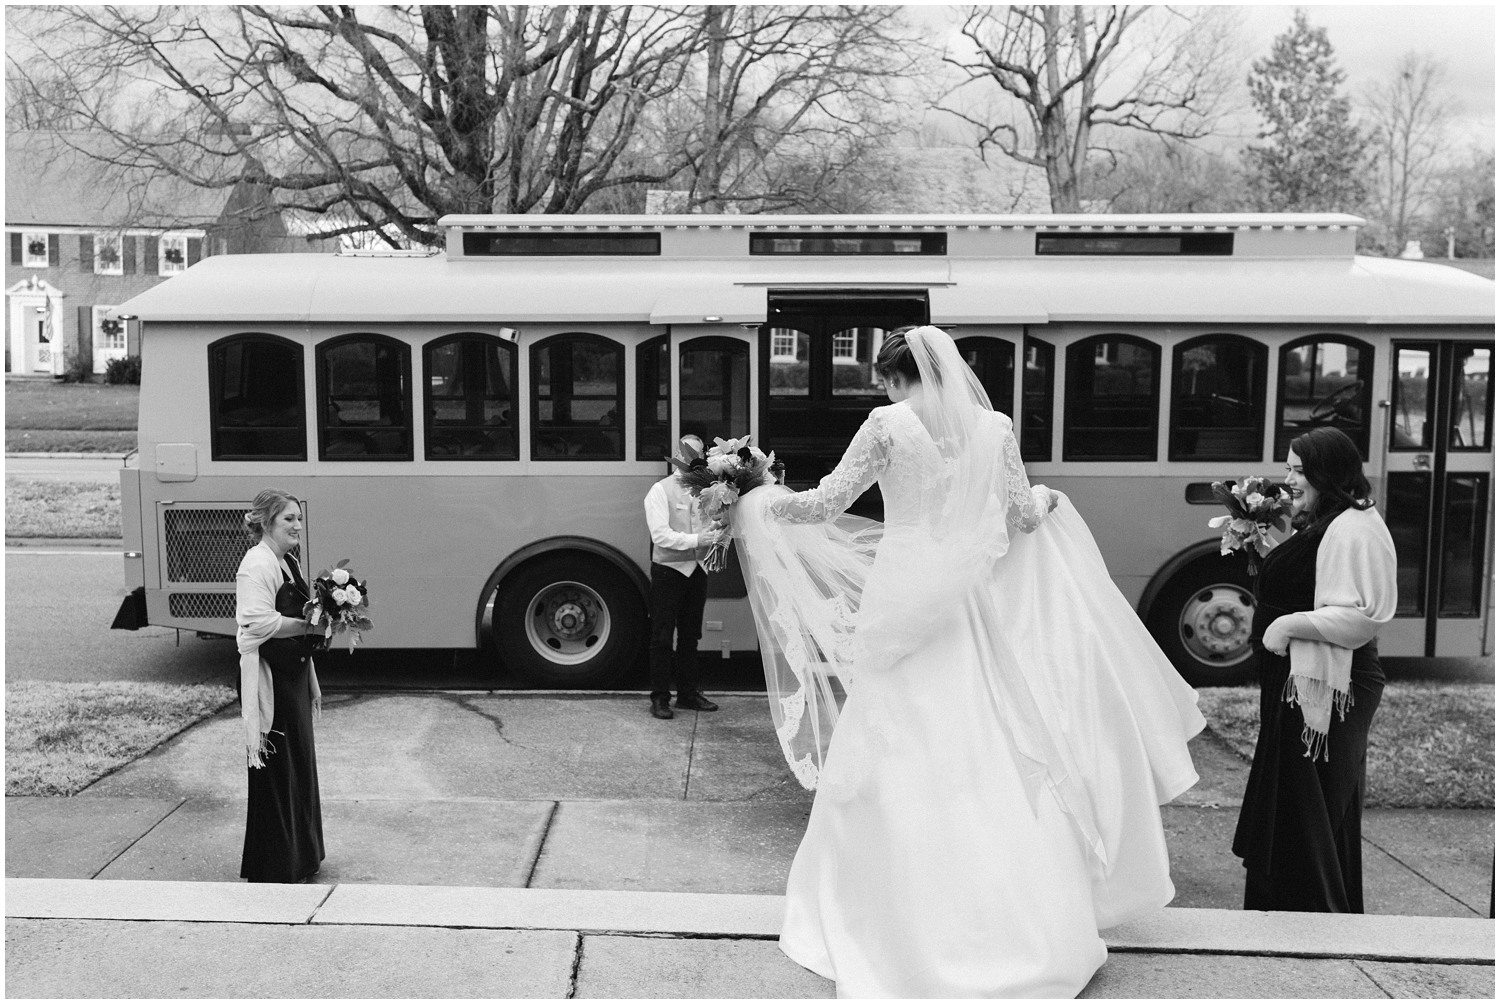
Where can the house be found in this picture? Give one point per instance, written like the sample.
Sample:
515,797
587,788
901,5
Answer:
84,236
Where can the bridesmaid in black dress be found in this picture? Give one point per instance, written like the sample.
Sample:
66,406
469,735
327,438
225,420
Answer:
1320,597
278,696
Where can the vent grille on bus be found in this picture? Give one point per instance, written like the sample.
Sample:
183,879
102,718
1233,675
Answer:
204,545
217,605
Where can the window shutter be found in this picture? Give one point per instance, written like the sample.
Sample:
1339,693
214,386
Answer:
86,327
86,253
127,255
195,249
16,251
54,250
151,259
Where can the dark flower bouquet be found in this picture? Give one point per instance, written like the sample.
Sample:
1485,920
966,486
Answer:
338,605
731,468
1256,507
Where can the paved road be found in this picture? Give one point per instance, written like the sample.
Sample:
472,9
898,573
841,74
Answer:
61,600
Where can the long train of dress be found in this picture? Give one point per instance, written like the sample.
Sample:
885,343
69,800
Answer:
940,859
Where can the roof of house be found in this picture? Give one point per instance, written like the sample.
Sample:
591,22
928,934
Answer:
51,181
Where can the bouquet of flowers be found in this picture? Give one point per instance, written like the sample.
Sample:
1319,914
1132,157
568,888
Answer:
338,604
1256,507
731,468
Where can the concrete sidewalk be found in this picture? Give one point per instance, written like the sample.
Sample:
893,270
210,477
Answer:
439,805
76,938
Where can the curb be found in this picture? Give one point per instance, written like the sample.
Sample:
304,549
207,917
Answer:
1442,940
103,543
67,456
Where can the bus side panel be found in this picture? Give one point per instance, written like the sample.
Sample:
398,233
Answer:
132,532
392,530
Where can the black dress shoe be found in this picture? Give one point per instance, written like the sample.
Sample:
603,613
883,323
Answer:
659,706
694,701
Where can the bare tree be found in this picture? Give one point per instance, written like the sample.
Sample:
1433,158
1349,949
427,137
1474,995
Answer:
1073,70
791,98
1153,174
1410,114
381,119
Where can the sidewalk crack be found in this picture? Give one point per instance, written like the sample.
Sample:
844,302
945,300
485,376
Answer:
1371,977
143,836
1367,839
687,777
577,965
541,842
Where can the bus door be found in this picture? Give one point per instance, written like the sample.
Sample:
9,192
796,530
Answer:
1439,466
818,380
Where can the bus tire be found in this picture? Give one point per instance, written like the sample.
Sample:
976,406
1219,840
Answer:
1202,619
568,619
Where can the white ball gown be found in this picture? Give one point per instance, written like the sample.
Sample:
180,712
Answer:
989,800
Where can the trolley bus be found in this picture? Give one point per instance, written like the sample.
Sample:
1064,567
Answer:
475,427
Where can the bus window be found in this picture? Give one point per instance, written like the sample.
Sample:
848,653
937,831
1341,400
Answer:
993,361
1411,404
854,352
256,412
1109,412
577,398
789,363
1464,526
1474,381
470,390
364,390
1218,399
1325,380
1036,401
715,388
653,399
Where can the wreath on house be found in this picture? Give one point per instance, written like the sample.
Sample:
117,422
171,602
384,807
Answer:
173,255
37,248
109,254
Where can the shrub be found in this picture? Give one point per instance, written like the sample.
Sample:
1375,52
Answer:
127,370
76,372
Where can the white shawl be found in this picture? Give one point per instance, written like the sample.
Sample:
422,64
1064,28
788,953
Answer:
255,586
1355,593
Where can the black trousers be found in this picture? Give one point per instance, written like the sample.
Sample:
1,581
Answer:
677,602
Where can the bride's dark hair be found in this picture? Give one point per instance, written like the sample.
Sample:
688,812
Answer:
895,357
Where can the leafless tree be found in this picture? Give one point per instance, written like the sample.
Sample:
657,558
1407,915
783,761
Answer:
1068,71
791,97
1410,114
380,119
383,119
1154,174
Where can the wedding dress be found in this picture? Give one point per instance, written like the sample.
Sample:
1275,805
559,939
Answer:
1005,727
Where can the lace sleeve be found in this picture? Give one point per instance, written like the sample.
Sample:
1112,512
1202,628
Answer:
1029,504
862,464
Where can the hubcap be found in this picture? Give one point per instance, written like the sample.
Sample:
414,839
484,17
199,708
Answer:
567,623
1215,625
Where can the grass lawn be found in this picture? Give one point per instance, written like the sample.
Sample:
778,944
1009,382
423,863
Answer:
68,441
62,737
42,404
46,508
1432,745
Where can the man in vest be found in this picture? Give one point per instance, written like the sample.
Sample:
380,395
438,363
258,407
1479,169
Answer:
679,590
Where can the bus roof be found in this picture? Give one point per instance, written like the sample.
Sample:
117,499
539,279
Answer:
307,288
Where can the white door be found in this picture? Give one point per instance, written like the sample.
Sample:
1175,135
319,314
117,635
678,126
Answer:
31,336
109,338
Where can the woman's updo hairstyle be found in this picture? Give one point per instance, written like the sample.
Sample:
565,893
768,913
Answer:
895,357
1331,464
266,507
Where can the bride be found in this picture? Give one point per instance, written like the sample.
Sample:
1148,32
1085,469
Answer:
1006,728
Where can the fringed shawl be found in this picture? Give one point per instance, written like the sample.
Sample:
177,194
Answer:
1355,594
255,586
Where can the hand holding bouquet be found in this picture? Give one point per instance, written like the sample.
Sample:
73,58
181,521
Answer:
338,605
731,468
1256,507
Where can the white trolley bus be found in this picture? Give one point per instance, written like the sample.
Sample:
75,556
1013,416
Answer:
475,428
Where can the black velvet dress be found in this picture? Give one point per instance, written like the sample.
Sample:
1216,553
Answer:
284,819
1299,828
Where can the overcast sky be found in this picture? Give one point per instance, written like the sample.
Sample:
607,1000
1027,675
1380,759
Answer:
1368,40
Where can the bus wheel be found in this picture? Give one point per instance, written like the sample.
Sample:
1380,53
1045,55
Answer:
569,620
1202,622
